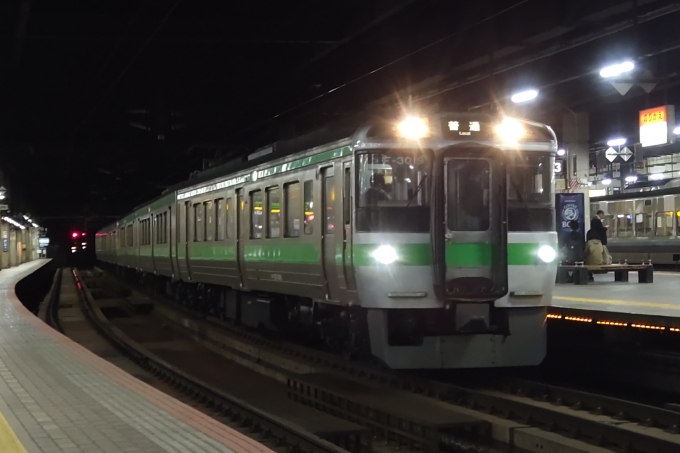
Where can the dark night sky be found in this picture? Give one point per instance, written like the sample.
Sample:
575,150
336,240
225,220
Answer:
87,88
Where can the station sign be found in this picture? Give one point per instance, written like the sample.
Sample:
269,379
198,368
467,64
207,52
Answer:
654,125
43,242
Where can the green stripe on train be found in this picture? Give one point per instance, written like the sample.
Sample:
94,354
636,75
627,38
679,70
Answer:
458,255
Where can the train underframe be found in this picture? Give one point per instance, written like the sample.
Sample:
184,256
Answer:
352,331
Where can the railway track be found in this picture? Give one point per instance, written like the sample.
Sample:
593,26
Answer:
530,415
278,434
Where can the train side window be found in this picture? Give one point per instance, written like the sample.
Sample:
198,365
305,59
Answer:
128,236
677,223
329,199
199,229
221,213
209,221
293,209
256,215
644,225
664,224
346,202
274,212
309,207
230,216
609,221
121,238
624,225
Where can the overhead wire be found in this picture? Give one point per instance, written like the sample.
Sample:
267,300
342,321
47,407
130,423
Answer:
391,63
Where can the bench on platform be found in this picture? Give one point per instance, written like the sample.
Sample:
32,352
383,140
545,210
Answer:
581,272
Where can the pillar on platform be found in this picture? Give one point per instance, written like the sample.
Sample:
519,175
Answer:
576,141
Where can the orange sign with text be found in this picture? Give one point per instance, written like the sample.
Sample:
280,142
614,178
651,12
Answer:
651,116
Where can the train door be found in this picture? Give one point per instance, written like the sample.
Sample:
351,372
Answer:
330,249
153,221
470,227
190,234
241,232
347,271
171,235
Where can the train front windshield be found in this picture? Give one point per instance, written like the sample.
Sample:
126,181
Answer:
393,191
529,195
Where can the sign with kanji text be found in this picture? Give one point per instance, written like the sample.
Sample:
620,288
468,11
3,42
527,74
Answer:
654,125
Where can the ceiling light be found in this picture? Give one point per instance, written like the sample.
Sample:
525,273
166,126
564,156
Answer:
561,152
615,70
606,181
656,176
524,96
616,142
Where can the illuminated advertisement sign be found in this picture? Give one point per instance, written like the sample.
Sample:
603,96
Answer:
654,124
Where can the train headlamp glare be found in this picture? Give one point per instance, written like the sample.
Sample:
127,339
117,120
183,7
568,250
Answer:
385,254
413,128
510,130
547,254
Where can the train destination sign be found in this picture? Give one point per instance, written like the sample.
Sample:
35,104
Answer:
654,123
457,128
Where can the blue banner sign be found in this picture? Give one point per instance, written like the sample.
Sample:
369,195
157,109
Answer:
569,206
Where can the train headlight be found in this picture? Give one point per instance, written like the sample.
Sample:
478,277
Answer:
510,130
547,254
385,254
413,128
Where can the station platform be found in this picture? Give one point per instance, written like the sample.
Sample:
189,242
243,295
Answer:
56,396
632,304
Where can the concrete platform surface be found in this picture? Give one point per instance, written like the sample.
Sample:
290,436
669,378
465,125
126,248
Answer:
56,396
661,298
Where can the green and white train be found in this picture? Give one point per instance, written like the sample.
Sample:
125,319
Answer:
428,242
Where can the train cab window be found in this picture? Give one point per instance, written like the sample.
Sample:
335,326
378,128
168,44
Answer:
392,191
229,217
624,225
329,200
209,221
309,207
529,195
199,227
256,215
467,199
220,219
273,212
293,202
664,224
644,225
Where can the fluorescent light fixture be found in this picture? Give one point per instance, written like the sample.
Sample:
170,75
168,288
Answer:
524,96
616,142
656,176
13,222
606,181
561,152
676,131
616,70
631,178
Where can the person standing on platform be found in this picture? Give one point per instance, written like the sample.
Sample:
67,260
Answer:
600,229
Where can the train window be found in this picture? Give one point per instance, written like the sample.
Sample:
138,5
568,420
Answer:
209,221
467,201
165,228
199,228
121,238
624,225
309,207
644,225
392,190
230,217
128,236
293,209
274,212
529,200
664,224
220,217
346,200
329,199
256,217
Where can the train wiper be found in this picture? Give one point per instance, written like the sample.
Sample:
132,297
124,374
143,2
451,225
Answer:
420,185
